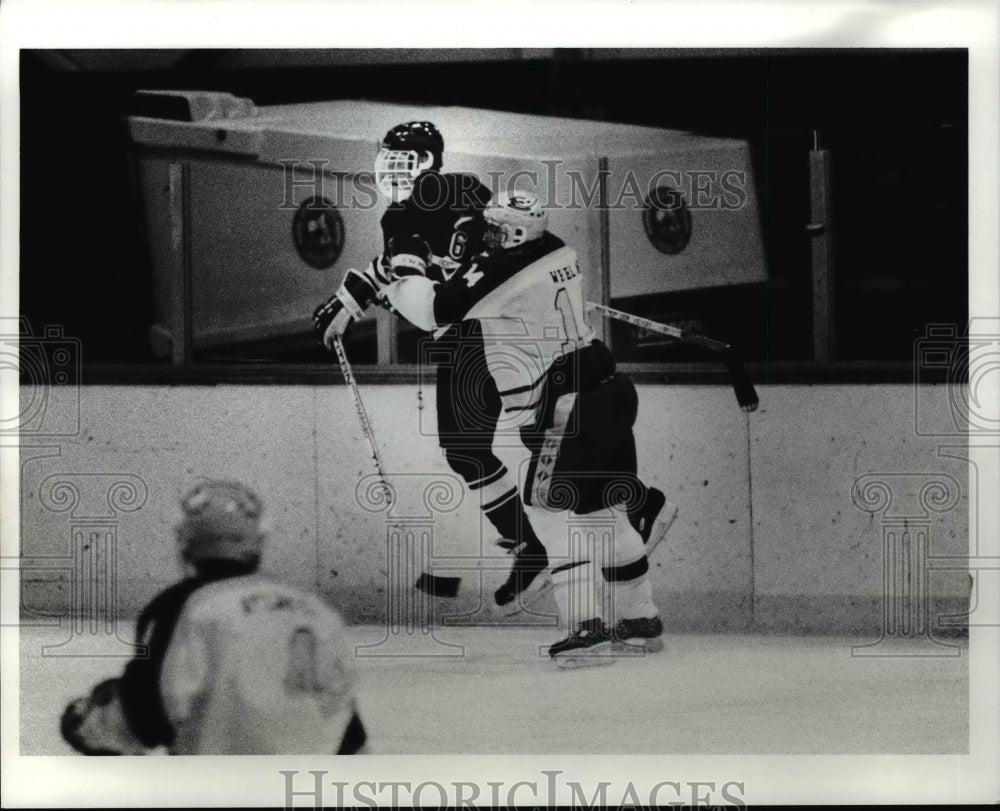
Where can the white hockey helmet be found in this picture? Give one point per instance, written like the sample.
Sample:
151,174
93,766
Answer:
406,151
513,219
221,521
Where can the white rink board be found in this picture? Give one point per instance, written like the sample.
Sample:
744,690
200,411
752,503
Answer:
301,447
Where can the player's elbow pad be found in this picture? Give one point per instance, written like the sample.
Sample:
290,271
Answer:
356,293
413,298
408,255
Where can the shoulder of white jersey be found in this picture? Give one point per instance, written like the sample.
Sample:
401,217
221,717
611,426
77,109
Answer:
249,594
553,267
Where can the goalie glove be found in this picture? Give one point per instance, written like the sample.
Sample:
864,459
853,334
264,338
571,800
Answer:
332,318
96,725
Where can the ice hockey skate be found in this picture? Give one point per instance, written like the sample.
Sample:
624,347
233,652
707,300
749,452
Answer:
640,635
654,519
588,646
528,580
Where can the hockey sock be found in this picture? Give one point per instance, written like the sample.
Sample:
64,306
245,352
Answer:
576,594
625,570
631,591
502,505
637,505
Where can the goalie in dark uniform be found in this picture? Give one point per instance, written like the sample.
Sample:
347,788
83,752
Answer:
575,411
444,212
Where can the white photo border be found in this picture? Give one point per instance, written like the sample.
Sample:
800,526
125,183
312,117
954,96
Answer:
181,782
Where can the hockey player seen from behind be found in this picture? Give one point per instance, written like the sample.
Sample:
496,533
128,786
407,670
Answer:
432,224
573,411
236,663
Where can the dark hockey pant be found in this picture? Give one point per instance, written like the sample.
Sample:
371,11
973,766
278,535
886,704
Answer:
468,404
468,408
583,455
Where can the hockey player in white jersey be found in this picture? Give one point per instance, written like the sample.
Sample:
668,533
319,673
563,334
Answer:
236,662
574,410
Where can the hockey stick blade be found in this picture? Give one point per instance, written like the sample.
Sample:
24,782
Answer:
746,394
739,377
438,586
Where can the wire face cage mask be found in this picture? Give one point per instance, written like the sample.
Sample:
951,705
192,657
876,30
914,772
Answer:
500,237
395,171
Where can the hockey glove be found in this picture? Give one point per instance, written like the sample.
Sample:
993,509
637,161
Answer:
332,318
408,256
96,725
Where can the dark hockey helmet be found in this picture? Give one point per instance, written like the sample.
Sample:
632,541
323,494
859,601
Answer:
221,521
420,136
406,151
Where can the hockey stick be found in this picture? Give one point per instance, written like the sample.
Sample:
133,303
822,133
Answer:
366,426
746,395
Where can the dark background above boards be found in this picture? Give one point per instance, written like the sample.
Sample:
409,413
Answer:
894,121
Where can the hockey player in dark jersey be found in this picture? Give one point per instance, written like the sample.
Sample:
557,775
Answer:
235,662
575,411
444,213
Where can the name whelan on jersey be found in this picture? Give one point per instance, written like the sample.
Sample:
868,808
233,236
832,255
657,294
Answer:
564,274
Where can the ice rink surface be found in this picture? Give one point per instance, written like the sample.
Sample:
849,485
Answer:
493,691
